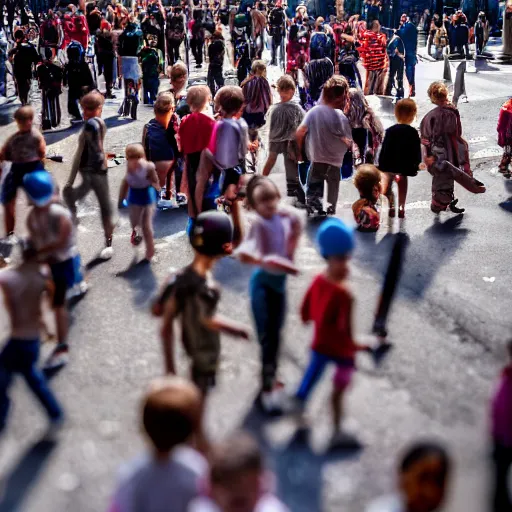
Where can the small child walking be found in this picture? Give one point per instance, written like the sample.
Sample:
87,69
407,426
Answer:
143,181
270,245
285,118
400,156
365,209
505,137
328,303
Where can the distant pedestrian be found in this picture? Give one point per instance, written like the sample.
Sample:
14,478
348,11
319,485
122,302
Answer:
373,52
50,75
505,137
216,53
408,33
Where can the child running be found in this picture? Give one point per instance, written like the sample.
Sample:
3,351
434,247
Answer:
285,118
366,212
143,181
270,245
329,305
400,156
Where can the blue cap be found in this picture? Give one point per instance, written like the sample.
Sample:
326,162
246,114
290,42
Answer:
335,238
39,187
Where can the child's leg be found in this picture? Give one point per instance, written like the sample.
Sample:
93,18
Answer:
403,184
314,372
135,213
269,164
202,176
387,189
333,178
147,231
341,381
315,188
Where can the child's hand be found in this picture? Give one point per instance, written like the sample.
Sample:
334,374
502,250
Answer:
253,146
429,161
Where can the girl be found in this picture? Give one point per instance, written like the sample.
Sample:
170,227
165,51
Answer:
270,245
143,181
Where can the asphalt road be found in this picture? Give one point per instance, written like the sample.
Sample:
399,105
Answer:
449,324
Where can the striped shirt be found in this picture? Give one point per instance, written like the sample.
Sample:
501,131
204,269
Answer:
373,50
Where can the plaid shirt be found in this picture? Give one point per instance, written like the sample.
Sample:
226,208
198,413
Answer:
373,50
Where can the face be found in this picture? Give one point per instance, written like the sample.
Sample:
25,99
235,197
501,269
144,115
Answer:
423,485
241,496
338,267
286,95
25,126
266,200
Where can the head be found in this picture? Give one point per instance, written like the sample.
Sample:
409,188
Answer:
236,474
198,97
286,88
335,92
438,93
164,108
39,187
134,152
263,196
403,18
152,40
336,243
259,68
171,413
212,235
92,104
19,36
178,76
319,23
375,26
217,35
367,182
405,111
24,118
423,475
229,100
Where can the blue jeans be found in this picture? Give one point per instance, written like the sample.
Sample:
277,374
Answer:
410,68
20,356
268,303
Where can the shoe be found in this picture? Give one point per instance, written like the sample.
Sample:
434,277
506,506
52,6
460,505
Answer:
299,204
58,358
167,204
77,290
181,199
453,207
136,239
198,66
401,214
330,210
392,213
342,440
53,430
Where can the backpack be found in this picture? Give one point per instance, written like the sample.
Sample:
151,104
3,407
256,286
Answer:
277,17
241,21
149,61
320,46
176,28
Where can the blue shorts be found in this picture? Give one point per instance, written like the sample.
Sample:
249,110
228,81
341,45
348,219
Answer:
142,196
65,275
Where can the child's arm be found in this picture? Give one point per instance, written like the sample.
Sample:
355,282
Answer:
300,136
220,323
349,318
153,176
202,177
167,335
41,150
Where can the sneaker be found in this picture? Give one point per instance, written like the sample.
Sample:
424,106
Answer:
268,403
181,199
167,204
299,204
343,440
58,358
136,238
77,290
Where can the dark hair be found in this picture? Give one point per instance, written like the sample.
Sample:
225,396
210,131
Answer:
420,451
372,24
48,53
254,183
230,99
367,176
237,454
19,34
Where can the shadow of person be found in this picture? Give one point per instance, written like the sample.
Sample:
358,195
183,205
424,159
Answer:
24,475
142,280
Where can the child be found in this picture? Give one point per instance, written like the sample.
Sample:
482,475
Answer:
152,62
502,437
328,138
49,74
423,477
192,296
226,151
170,474
285,118
142,179
195,133
51,231
23,288
238,481
270,245
156,144
505,137
328,303
91,162
400,155
26,150
257,100
366,213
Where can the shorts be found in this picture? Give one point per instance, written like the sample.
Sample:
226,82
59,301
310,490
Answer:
142,196
14,179
205,381
64,277
230,177
280,148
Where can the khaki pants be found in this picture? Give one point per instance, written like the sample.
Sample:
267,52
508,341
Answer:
318,173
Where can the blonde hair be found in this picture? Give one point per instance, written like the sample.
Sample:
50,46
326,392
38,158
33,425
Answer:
438,93
405,111
366,178
164,103
286,83
258,67
179,69
197,97
134,151
92,101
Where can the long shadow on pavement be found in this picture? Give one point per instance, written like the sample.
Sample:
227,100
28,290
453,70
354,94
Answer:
24,475
297,467
141,278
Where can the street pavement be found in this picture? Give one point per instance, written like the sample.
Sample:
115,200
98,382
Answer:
448,325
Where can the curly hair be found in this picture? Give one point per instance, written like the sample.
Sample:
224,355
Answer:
438,93
367,176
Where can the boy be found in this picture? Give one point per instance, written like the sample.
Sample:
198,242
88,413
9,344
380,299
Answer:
169,476
50,74
91,162
285,118
257,101
328,139
51,232
192,296
195,133
23,288
26,150
366,213
152,63
329,304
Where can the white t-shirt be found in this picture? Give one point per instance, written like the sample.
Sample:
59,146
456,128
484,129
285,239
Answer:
267,503
149,485
326,126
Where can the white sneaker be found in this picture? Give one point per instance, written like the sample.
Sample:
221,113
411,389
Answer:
77,290
167,204
107,253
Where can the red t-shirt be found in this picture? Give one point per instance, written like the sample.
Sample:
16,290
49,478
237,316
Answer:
195,132
329,307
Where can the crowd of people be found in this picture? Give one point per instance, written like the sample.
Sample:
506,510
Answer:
203,148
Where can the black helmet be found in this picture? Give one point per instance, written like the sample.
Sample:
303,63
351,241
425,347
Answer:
211,232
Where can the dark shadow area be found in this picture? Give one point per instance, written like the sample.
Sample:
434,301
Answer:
233,274
483,65
52,137
24,475
298,469
7,110
506,205
141,278
94,263
169,222
114,121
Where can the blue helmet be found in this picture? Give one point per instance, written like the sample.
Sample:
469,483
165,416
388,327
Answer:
39,187
335,238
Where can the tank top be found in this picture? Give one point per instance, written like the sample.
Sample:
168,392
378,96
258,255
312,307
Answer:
139,178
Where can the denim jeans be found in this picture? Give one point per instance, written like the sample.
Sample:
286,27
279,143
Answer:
268,303
410,68
21,356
